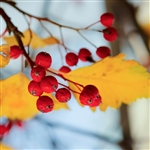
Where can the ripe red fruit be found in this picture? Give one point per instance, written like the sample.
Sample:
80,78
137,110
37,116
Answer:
38,73
5,128
19,123
103,51
43,59
63,95
65,69
34,88
84,54
49,84
107,19
71,59
89,95
45,104
15,51
110,34
96,102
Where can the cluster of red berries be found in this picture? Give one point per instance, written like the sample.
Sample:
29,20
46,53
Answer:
45,83
110,33
84,55
41,83
90,96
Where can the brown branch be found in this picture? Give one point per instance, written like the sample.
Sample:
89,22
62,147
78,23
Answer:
12,28
55,23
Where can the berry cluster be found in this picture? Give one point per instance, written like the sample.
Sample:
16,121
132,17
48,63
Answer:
84,55
90,96
42,83
45,83
110,33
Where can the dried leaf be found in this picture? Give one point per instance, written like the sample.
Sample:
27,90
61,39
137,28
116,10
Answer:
119,81
16,102
36,42
4,55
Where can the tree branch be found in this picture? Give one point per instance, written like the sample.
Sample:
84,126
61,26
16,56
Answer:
12,28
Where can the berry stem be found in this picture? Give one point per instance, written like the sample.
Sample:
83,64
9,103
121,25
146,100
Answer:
92,24
87,39
62,39
30,32
5,31
68,88
60,74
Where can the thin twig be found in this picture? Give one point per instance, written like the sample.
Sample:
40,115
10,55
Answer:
30,32
87,40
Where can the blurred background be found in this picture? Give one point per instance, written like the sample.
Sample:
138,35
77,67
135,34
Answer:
79,127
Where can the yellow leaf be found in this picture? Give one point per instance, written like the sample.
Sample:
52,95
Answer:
119,81
50,41
4,55
36,42
16,102
4,147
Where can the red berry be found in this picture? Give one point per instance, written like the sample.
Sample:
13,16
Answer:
65,69
15,51
49,84
71,59
96,102
88,95
63,95
38,73
84,54
34,88
107,19
103,51
19,123
45,104
43,59
5,128
110,34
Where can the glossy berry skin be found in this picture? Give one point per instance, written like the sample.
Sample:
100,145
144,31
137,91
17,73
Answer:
43,59
107,19
96,102
103,51
89,95
84,54
15,51
34,88
38,73
71,59
65,69
49,84
110,34
45,104
63,95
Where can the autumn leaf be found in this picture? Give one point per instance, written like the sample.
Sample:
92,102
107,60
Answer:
119,81
4,55
36,42
4,147
16,102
